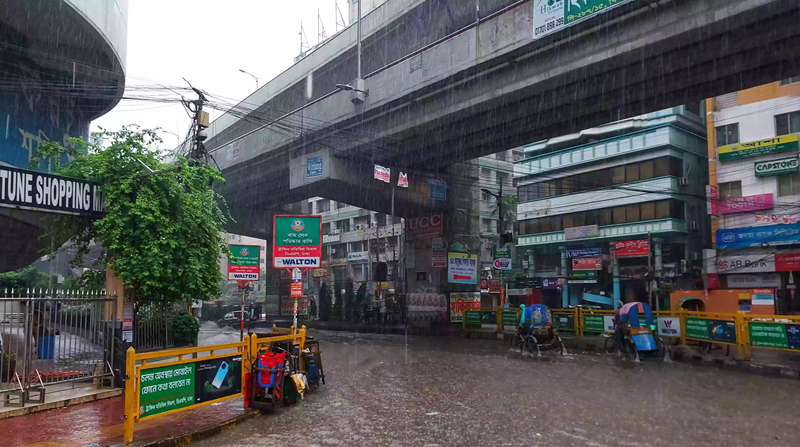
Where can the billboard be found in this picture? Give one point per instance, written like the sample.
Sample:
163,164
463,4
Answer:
296,241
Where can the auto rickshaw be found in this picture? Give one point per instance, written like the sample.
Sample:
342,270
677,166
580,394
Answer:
539,332
640,336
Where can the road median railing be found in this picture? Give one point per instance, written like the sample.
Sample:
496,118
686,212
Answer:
742,330
159,383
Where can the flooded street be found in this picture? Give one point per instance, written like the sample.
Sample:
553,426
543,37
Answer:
447,391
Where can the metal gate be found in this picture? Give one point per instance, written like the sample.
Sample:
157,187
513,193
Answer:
152,322
52,337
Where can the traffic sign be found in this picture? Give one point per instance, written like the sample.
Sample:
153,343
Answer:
297,275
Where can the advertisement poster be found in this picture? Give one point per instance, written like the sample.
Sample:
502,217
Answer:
551,16
777,167
583,232
786,262
669,327
587,264
713,330
166,388
461,301
763,297
287,307
754,280
770,335
296,241
439,258
217,378
632,249
502,258
462,268
244,262
314,167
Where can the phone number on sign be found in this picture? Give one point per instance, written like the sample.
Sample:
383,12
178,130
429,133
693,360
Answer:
549,26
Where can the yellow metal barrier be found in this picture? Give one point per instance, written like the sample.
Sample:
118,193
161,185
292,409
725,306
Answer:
174,379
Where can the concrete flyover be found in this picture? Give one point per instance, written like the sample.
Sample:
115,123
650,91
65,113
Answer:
63,65
489,86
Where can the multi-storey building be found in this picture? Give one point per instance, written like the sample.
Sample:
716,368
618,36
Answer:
753,165
615,213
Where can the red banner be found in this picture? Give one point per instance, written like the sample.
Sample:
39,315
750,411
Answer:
787,262
495,286
632,249
587,264
424,227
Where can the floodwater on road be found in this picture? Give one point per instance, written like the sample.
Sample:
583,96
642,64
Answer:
389,390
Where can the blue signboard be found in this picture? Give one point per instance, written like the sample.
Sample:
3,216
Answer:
314,167
550,283
757,236
584,253
438,189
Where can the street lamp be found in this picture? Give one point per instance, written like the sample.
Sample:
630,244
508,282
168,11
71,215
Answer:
252,76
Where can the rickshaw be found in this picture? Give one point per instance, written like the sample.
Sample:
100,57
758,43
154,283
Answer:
639,336
537,330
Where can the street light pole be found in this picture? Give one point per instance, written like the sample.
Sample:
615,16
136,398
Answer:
252,76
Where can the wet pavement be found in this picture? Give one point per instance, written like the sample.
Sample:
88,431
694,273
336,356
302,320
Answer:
449,391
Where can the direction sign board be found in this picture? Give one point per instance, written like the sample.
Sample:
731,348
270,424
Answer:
244,262
296,241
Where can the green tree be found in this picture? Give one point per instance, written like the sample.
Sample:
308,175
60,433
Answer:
509,211
338,304
349,300
161,231
26,278
361,296
324,302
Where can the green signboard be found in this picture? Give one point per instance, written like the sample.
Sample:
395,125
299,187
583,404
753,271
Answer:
297,242
473,317
594,323
244,255
697,328
166,389
768,335
583,275
510,318
777,167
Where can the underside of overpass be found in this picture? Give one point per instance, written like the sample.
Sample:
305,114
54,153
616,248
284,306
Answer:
491,87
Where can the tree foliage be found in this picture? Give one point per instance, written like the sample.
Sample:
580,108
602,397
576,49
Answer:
324,302
26,278
349,300
161,232
338,303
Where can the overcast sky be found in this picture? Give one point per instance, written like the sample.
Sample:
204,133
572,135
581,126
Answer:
207,42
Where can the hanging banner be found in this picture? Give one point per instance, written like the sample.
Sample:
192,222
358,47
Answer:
632,249
383,174
787,262
402,180
712,200
775,145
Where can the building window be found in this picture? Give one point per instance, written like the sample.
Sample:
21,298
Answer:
602,178
518,155
693,107
789,184
787,123
486,226
486,172
727,134
323,205
792,80
662,209
730,189
501,156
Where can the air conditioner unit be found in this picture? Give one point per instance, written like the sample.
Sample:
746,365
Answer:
358,226
684,181
693,225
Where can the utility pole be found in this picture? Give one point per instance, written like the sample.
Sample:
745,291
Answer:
198,150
